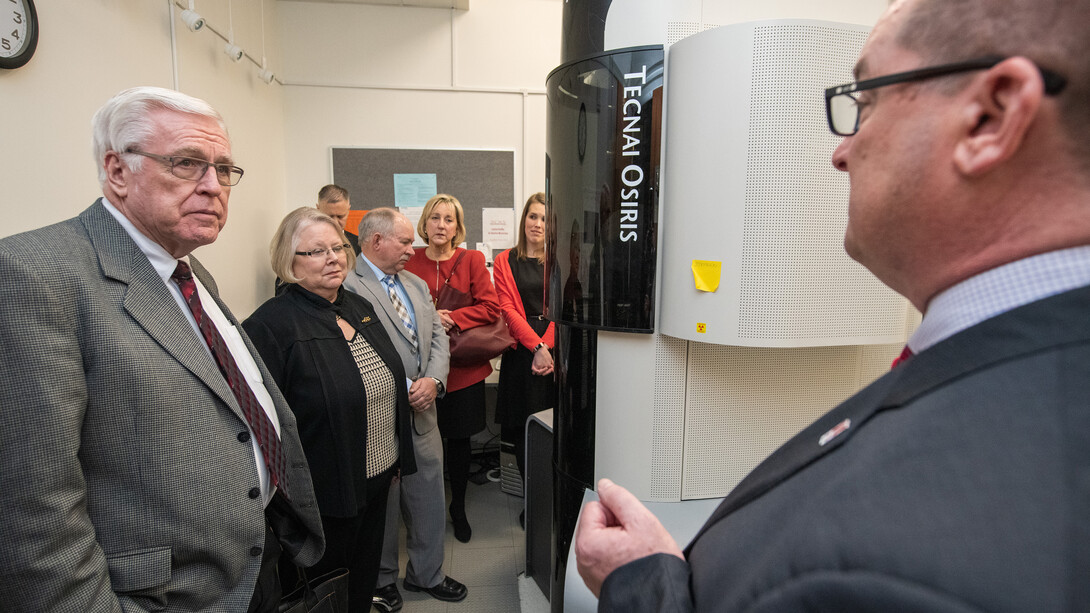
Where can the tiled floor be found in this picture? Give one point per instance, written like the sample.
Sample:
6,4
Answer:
491,564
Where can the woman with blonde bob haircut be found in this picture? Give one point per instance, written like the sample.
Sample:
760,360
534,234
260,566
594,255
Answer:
461,412
285,241
331,357
456,210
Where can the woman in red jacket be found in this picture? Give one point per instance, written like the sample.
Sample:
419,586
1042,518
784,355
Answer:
526,373
461,411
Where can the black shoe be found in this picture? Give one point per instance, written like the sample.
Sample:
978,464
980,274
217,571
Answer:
387,598
448,590
462,530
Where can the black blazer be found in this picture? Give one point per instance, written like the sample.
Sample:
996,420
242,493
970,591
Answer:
962,484
297,335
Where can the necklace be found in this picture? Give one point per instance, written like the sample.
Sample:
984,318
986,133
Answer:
439,257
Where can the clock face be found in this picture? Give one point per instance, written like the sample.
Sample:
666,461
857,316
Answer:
18,32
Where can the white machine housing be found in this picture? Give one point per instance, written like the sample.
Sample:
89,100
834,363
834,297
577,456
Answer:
795,326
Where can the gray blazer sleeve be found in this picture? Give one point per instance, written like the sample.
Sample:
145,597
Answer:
438,353
51,560
439,360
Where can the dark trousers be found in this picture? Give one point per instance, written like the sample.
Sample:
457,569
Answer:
268,591
355,543
458,454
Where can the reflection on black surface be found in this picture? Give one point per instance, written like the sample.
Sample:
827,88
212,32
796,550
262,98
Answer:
602,186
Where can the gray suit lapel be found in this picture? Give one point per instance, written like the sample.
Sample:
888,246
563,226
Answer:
1031,328
363,281
423,313
150,303
834,429
380,298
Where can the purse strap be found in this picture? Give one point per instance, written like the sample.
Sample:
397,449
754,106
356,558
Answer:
447,289
309,597
456,263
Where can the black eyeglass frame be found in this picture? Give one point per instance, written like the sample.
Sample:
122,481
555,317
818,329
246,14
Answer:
325,251
169,162
1054,83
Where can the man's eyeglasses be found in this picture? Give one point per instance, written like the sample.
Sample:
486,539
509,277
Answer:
842,106
192,169
336,250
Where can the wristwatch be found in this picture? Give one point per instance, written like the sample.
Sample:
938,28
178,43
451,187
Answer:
439,387
539,346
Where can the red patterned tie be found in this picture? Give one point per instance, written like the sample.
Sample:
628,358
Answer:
905,354
255,414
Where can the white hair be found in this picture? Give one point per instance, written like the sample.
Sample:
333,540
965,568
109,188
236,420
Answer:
381,221
124,121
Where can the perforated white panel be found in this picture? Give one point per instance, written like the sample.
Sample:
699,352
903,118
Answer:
749,183
795,210
875,360
677,30
743,403
668,429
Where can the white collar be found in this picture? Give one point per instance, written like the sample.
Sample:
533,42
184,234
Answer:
999,290
160,259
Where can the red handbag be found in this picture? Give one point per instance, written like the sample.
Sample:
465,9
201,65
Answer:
474,345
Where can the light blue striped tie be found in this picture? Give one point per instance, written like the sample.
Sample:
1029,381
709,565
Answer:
399,306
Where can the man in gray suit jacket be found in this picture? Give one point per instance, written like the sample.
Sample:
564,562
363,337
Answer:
960,480
386,244
130,479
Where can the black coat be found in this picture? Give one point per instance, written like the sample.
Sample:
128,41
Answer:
962,484
297,335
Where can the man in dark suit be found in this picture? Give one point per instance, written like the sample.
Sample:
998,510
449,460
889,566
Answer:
386,243
959,481
130,472
333,200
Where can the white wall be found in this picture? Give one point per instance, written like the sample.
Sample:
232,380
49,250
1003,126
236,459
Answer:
347,75
650,22
409,77
89,50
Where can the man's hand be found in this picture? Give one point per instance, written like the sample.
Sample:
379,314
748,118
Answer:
615,531
422,393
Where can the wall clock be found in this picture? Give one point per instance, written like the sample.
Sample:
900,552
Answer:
18,32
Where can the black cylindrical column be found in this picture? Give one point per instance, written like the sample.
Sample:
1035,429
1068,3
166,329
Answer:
601,184
573,442
584,29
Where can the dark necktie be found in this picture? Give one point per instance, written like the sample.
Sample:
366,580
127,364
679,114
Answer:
259,422
905,354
